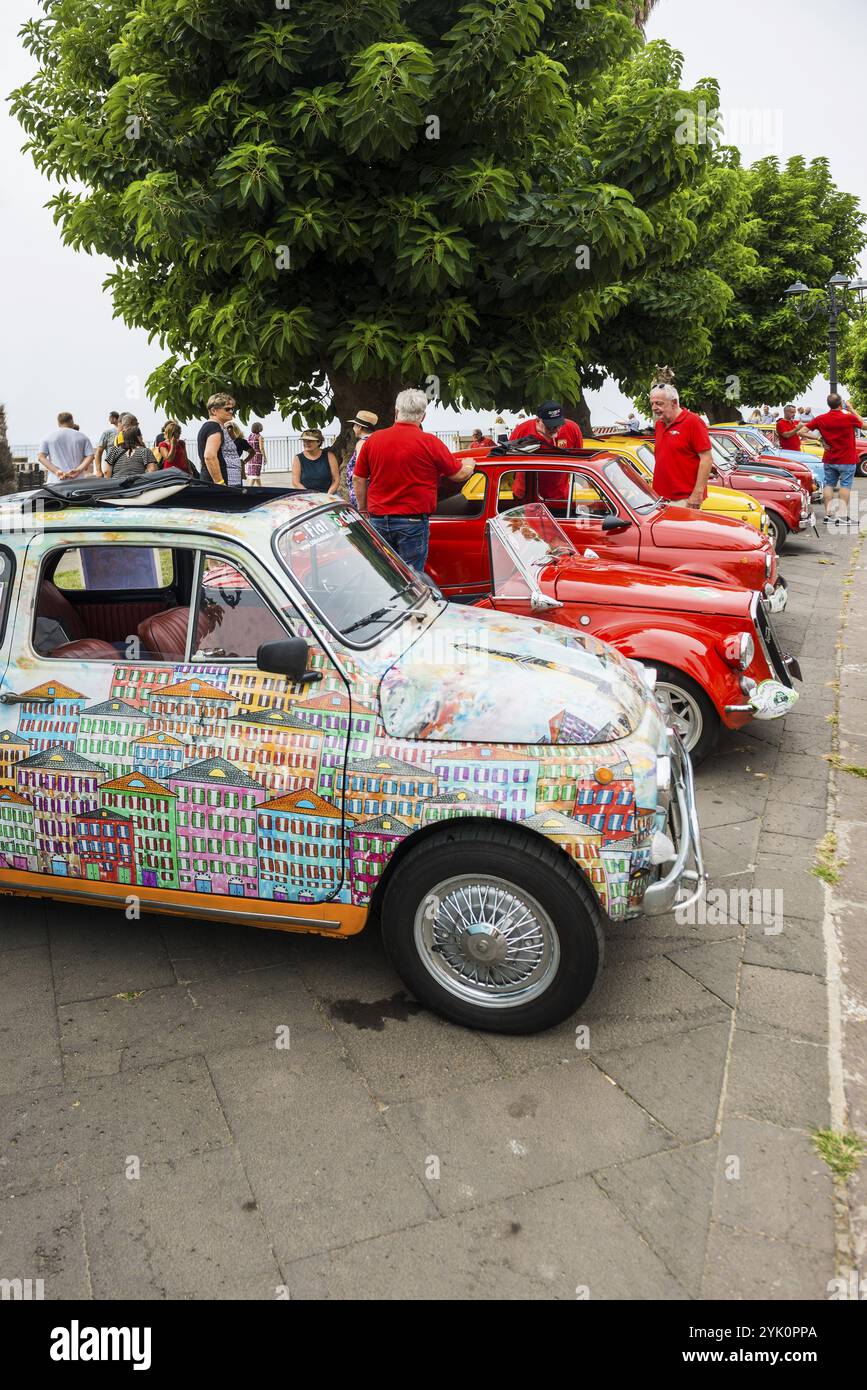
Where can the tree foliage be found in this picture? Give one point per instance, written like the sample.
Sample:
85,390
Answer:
311,204
8,480
797,226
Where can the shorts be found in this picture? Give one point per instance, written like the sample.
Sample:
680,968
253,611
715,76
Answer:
842,473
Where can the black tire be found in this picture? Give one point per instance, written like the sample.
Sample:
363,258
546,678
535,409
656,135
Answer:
708,735
531,866
779,531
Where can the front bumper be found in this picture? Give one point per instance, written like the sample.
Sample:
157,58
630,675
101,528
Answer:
808,523
687,872
776,598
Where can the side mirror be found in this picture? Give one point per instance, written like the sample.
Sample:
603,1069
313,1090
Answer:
616,523
288,658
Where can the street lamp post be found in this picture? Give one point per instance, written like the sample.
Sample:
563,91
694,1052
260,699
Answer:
835,305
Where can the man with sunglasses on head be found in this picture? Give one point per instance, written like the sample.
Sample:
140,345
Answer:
219,459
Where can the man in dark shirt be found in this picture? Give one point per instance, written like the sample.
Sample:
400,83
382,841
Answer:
396,479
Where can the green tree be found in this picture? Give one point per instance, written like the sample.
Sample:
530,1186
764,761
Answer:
313,205
8,479
799,226
852,360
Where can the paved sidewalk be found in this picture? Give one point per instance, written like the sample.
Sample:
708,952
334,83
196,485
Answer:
385,1154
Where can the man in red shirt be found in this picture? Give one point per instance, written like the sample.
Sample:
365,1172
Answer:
397,475
837,431
789,430
682,453
551,427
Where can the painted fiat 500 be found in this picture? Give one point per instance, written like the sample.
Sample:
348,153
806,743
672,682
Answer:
712,646
785,506
601,501
243,706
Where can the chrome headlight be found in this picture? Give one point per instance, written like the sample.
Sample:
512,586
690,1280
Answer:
746,650
768,566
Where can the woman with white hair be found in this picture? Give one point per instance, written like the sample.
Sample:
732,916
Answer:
397,476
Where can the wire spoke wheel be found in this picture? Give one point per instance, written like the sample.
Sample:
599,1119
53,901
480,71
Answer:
684,712
487,941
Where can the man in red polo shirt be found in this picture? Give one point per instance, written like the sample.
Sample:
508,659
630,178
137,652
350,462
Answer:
836,429
682,453
397,475
789,430
550,426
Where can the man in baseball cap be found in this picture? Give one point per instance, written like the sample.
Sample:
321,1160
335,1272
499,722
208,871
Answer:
551,427
363,424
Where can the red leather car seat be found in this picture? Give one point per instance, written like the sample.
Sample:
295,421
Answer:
86,649
53,604
164,635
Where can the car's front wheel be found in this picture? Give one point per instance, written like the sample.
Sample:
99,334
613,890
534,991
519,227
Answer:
778,531
861,468
690,710
493,929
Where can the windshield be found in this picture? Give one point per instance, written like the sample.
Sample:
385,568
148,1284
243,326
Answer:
627,480
757,440
720,457
523,541
357,584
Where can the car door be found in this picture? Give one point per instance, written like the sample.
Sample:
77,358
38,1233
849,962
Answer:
166,761
457,556
586,515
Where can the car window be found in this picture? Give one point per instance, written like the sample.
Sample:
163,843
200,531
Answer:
232,617
629,483
358,584
647,456
110,568
462,499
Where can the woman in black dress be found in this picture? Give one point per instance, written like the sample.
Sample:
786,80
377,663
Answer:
315,468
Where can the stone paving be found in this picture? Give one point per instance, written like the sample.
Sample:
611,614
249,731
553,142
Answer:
386,1154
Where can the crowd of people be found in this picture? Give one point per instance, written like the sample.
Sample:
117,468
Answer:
394,472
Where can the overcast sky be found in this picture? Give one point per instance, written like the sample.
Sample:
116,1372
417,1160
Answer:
782,66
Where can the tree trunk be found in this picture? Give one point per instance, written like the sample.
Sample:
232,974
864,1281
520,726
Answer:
579,411
348,397
718,411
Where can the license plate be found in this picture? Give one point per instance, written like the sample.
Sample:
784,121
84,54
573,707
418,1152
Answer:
778,600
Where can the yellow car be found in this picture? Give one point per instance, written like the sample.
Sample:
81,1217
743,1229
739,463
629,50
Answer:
721,501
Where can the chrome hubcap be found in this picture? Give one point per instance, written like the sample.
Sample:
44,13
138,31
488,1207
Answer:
683,713
487,941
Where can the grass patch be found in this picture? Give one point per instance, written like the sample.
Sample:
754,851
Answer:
827,865
841,1152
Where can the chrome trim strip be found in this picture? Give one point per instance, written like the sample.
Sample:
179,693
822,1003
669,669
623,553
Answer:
662,895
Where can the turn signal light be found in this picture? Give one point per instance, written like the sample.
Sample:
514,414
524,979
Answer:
604,775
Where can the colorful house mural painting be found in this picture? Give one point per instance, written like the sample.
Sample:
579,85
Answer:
13,750
158,756
493,774
371,845
17,840
135,682
300,847
449,805
108,731
216,827
48,716
105,846
62,786
150,807
386,787
275,748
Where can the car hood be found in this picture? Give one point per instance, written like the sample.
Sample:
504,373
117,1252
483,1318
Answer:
772,480
682,528
480,676
626,587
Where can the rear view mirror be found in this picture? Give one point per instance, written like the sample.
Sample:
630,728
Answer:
616,523
288,658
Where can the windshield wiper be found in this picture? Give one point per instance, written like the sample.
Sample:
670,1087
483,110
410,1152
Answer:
379,613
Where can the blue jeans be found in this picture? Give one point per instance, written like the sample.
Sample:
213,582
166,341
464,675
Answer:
408,535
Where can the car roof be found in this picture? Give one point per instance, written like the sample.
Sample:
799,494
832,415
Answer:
546,457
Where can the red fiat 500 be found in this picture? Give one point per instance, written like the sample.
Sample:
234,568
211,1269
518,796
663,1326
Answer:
713,646
740,450
603,504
